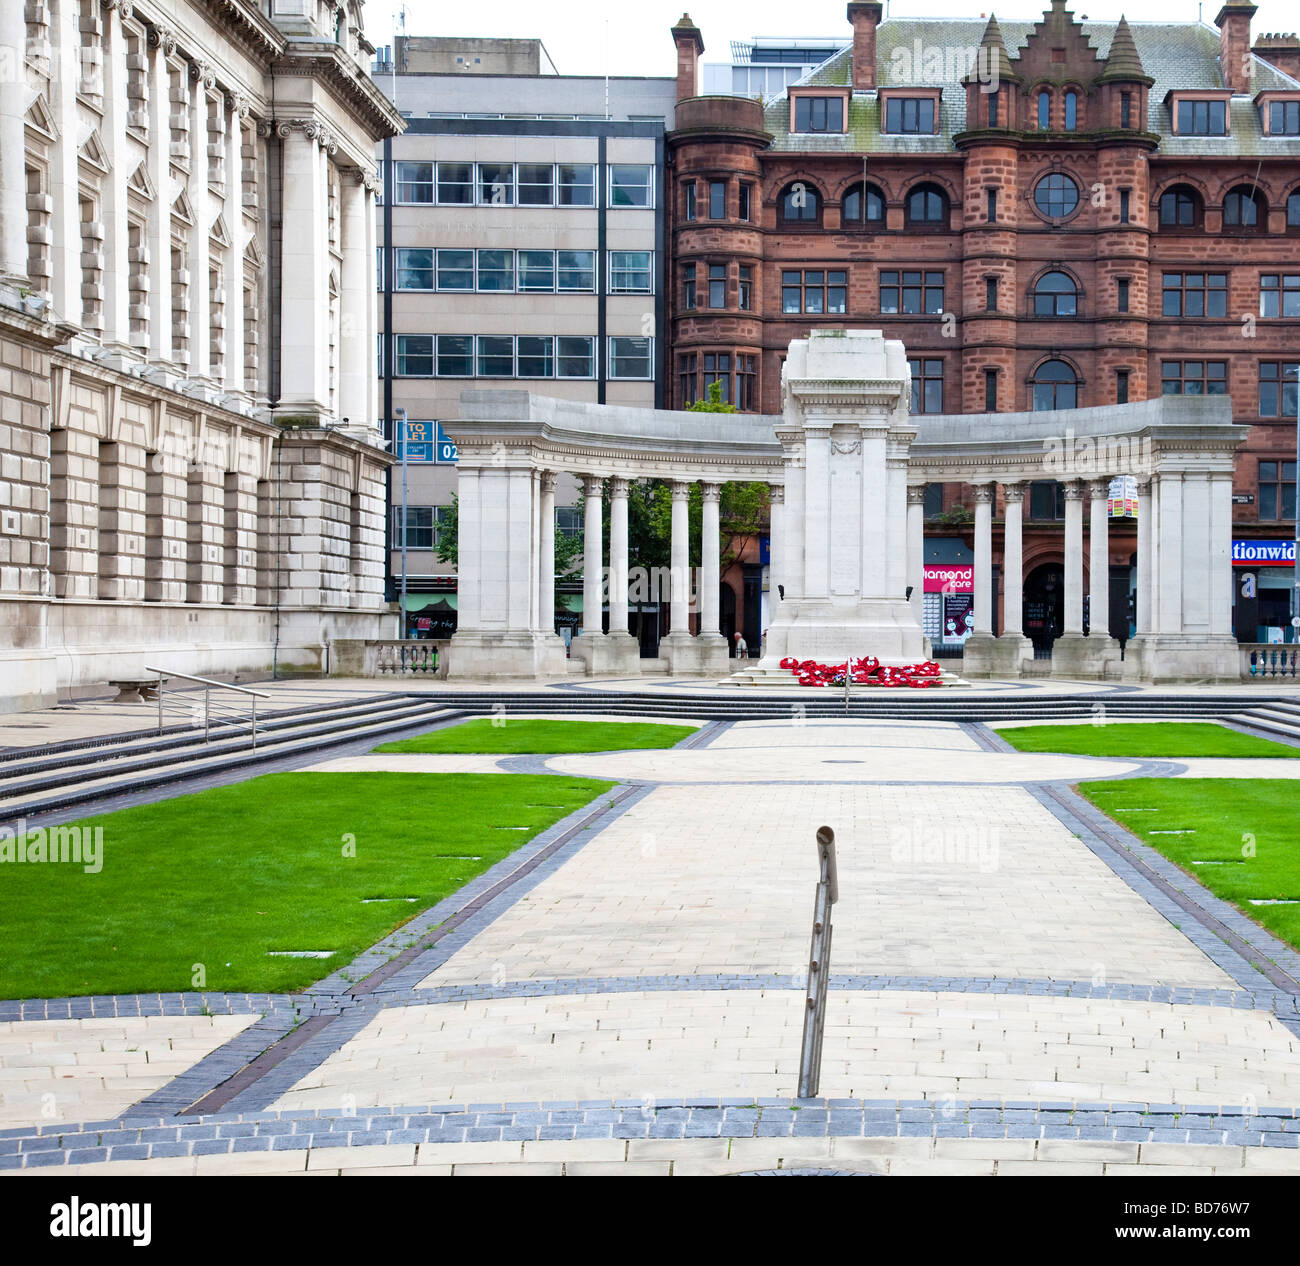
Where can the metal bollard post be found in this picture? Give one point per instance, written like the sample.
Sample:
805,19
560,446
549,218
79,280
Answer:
819,966
206,694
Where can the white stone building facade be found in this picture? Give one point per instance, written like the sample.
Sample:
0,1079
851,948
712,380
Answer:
192,473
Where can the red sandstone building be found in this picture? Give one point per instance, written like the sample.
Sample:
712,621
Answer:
1049,215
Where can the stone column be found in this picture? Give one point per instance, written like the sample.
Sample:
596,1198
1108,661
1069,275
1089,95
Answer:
158,229
710,559
984,496
305,299
1099,558
121,521
1013,571
592,559
1169,598
776,546
680,576
617,556
13,176
546,555
241,538
916,548
1073,559
236,226
1144,548
356,347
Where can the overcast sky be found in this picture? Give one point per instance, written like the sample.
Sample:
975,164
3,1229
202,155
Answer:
591,37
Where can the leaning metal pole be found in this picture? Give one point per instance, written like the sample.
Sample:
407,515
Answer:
819,966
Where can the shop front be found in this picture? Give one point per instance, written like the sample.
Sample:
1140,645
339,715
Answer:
1263,581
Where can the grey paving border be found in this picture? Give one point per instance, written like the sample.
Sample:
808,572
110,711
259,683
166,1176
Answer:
117,1006
1088,822
149,1138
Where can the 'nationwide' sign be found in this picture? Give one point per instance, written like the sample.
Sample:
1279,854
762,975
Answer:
1257,553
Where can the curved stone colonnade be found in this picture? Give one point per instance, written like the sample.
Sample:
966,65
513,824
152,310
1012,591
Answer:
847,467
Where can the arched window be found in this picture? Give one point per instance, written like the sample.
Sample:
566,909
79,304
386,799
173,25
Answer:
1055,386
1180,207
927,205
1055,295
1056,195
1044,110
863,207
1071,111
800,203
1244,210
1293,211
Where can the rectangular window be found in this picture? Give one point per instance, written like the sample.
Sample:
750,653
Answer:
912,114
717,199
631,272
568,521
1126,109
1194,378
746,291
455,356
717,285
993,109
496,356
576,184
747,384
536,356
631,185
576,271
455,184
1121,386
414,269
1195,294
814,291
927,386
414,182
536,271
911,292
414,355
818,114
990,294
455,270
1047,501
418,525
536,184
1279,382
1122,296
746,193
1279,294
496,270
1202,118
717,368
631,357
990,391
1277,490
496,184
1284,118
575,357
688,287
689,189
991,205
686,386
1124,195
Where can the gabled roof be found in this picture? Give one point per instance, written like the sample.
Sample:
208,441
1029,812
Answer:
1173,55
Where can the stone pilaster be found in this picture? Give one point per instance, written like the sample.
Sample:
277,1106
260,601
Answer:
122,521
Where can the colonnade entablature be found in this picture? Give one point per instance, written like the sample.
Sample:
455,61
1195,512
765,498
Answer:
847,466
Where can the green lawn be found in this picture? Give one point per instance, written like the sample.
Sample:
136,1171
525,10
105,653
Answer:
1154,738
223,876
502,736
1248,824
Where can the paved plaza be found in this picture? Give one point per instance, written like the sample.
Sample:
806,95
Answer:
1017,987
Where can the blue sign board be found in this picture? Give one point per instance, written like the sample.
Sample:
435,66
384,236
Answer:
427,442
1260,553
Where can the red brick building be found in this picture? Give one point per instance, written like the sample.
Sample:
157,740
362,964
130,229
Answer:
1049,214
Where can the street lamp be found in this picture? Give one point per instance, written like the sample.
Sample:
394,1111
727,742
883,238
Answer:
399,415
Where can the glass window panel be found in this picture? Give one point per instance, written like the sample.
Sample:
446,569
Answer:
576,270
455,183
496,270
414,269
630,357
496,356
575,357
455,356
631,185
536,184
577,184
536,356
630,272
414,182
496,184
536,270
415,355
455,270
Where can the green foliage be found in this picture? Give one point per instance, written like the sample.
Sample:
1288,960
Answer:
549,738
1145,739
714,402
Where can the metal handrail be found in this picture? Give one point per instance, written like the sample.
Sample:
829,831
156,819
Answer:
819,966
208,684
207,681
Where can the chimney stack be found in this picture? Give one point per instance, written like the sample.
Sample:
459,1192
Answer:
1235,60
1280,50
865,15
690,44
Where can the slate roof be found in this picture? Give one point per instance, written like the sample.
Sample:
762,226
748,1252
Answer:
1175,55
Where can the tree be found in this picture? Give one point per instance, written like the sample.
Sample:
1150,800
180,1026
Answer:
568,549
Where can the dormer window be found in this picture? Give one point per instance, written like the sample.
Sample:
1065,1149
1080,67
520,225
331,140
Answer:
1197,117
818,114
1284,118
909,114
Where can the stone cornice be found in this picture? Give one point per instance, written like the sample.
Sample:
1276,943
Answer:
332,66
